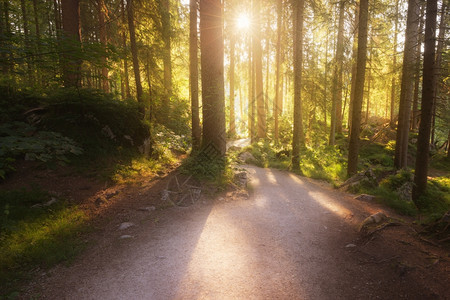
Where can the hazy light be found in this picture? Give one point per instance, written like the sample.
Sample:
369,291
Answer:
243,21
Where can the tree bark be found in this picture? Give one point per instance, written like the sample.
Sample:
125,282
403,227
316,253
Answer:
353,150
415,109
212,52
406,93
193,74
394,70
354,64
423,142
336,104
167,60
261,114
72,44
232,92
125,56
298,139
104,42
134,54
276,103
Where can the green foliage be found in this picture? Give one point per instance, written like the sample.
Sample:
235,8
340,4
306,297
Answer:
19,139
376,154
38,236
217,171
98,121
165,139
436,199
441,162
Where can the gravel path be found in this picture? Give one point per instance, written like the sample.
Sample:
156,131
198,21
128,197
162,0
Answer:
287,241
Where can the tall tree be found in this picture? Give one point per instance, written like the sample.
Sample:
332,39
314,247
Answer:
232,92
193,73
212,52
423,141
415,108
276,103
104,42
72,30
336,108
298,136
134,54
127,93
261,113
394,68
407,85
353,148
167,57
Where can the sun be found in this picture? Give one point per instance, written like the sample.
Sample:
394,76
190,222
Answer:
243,21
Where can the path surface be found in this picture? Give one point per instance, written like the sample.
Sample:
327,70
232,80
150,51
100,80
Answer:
287,241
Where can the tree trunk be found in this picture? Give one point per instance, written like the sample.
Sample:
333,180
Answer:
232,92
276,103
261,118
406,93
212,52
72,44
354,65
336,104
28,52
438,68
394,70
298,139
193,74
134,54
125,56
415,109
423,142
167,60
104,41
353,148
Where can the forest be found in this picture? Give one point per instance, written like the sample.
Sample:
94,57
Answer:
354,93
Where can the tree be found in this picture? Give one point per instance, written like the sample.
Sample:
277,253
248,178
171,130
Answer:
278,93
104,41
428,86
336,115
134,54
71,26
298,137
353,148
164,6
212,52
261,114
193,73
394,68
126,93
407,84
232,92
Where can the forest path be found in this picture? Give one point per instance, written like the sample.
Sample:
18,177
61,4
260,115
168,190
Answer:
291,239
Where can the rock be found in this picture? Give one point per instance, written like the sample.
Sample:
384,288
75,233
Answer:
147,208
350,246
125,225
358,178
99,201
377,218
247,157
405,191
365,197
241,178
111,194
126,236
52,201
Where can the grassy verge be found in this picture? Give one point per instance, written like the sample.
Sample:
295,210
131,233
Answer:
35,234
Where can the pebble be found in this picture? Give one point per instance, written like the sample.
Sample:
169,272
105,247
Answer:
350,246
126,236
125,225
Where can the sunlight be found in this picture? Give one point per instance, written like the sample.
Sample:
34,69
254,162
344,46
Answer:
243,21
330,204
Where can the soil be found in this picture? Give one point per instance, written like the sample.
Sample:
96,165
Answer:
289,237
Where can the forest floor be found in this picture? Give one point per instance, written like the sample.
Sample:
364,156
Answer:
289,237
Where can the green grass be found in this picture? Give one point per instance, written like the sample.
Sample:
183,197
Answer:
35,237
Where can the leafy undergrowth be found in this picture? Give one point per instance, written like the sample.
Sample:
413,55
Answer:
36,233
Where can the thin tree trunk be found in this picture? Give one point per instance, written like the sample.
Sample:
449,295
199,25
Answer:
167,60
354,67
415,109
276,103
325,82
193,74
353,150
261,119
134,54
232,92
423,142
336,102
298,138
438,67
104,41
125,57
212,52
394,69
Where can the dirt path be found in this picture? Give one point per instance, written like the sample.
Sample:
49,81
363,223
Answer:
287,241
